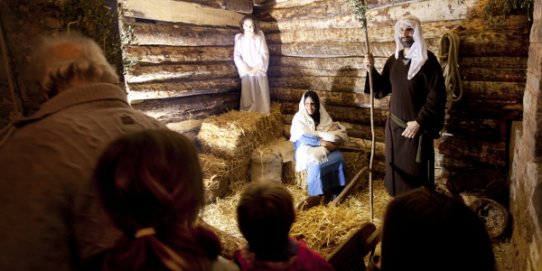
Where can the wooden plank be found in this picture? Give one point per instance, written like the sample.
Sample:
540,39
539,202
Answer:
489,129
181,88
442,10
350,187
185,108
350,99
506,92
476,149
242,6
494,74
153,73
495,62
180,12
426,11
343,114
344,84
172,54
180,35
351,253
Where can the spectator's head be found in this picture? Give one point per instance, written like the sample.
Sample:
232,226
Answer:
69,60
265,215
249,25
425,230
151,185
149,178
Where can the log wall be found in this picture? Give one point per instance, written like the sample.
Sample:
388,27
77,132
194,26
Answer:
179,58
319,45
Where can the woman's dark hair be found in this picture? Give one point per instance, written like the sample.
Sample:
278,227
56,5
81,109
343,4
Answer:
249,17
316,99
153,179
425,230
265,214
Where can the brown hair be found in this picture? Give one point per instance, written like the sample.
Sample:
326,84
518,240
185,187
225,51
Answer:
153,179
265,215
425,230
249,17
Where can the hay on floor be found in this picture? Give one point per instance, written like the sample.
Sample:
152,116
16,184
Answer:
323,228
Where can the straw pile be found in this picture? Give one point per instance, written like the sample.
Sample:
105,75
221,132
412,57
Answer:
216,176
323,228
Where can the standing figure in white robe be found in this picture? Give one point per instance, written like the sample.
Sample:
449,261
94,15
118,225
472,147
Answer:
251,57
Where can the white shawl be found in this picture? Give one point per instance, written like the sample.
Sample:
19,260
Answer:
418,51
327,130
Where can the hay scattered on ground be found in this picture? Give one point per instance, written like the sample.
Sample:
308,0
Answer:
323,228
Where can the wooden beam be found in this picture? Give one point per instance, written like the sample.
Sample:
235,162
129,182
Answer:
162,90
180,35
174,54
142,74
180,12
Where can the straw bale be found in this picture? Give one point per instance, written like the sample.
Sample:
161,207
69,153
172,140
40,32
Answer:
288,173
234,134
322,227
216,176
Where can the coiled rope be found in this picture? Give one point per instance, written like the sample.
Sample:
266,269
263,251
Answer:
448,57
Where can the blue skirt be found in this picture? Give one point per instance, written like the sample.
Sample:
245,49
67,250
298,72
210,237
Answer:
325,178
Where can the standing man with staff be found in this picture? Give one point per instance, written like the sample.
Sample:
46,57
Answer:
417,107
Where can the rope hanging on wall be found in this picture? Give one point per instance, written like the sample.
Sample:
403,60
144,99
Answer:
448,57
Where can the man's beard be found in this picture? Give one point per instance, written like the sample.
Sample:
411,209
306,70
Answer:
407,41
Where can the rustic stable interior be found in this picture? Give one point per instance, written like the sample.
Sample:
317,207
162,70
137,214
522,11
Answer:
178,67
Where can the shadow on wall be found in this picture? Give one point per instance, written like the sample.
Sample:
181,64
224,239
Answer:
345,80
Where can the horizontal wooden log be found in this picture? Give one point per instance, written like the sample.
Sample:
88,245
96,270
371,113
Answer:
171,54
440,11
487,129
349,99
340,21
181,12
180,35
334,49
470,148
443,10
363,131
507,92
487,109
354,33
343,114
181,89
493,44
492,74
347,71
496,62
344,84
453,165
317,63
192,107
142,74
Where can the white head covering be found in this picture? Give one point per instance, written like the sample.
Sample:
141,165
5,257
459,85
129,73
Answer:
418,51
304,124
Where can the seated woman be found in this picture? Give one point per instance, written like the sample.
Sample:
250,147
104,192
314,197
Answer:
151,185
316,138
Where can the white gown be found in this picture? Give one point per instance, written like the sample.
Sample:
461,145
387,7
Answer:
251,51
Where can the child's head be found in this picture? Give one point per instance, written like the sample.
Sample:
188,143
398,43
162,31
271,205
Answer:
426,230
150,179
265,215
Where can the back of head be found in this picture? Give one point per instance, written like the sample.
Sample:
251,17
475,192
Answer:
265,215
425,230
152,180
58,60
